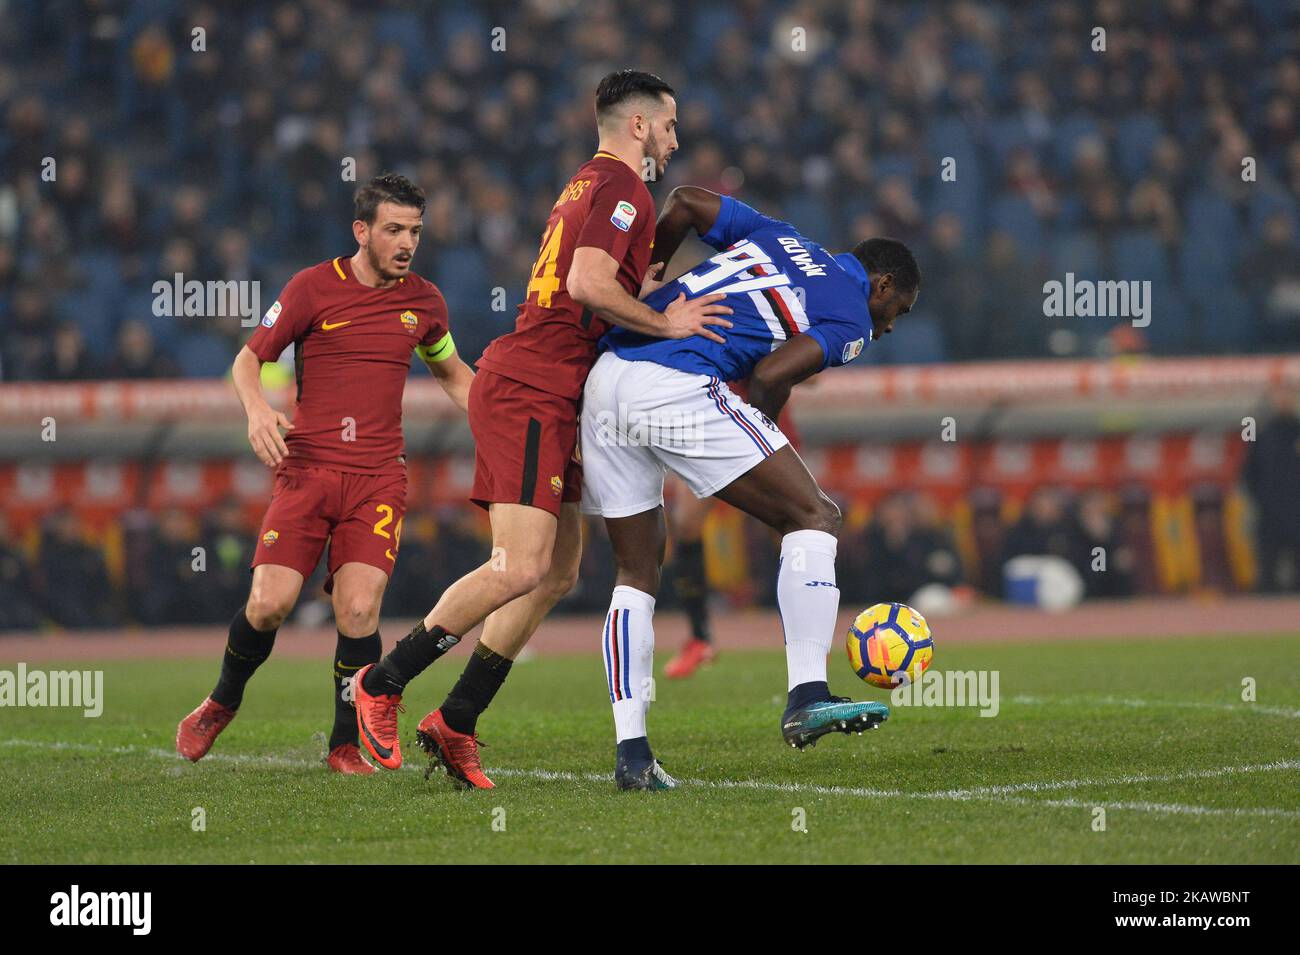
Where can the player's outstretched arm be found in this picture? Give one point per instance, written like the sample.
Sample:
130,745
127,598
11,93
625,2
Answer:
773,377
264,422
593,282
688,208
455,377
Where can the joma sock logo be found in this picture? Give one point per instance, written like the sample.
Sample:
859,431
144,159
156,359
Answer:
103,908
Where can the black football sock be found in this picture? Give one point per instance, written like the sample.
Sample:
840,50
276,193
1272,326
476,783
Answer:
483,676
805,694
351,654
693,587
408,659
246,650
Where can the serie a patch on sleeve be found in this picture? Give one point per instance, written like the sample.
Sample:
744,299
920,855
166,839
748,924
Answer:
624,215
852,350
271,315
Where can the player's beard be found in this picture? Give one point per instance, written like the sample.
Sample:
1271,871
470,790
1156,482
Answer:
651,151
379,270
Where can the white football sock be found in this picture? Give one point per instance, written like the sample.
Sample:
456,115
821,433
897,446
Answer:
628,645
809,602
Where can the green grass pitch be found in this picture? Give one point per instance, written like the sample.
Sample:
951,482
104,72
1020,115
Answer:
1155,732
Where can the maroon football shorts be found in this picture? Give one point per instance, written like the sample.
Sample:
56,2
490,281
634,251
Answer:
525,441
360,515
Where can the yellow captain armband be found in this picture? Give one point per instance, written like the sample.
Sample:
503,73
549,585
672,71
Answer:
440,350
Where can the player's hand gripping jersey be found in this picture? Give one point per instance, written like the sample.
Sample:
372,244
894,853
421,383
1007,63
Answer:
778,283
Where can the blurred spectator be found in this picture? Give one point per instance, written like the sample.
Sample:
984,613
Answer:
228,537
136,356
1271,475
904,553
1114,577
74,579
172,591
1047,528
28,342
70,360
18,608
1273,268
1009,322
989,535
953,281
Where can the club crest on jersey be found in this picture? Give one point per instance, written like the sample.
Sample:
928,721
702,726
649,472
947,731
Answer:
271,315
409,320
557,484
270,537
851,351
624,215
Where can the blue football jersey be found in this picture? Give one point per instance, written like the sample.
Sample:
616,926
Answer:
778,284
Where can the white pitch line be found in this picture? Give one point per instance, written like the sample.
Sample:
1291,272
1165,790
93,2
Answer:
998,794
1132,780
1141,703
1162,807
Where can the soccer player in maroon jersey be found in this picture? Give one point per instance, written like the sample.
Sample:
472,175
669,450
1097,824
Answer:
340,467
523,410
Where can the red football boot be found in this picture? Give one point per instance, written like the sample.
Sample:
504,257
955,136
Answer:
198,731
693,655
346,758
377,721
458,752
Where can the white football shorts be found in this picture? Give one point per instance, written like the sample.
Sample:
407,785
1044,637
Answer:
640,418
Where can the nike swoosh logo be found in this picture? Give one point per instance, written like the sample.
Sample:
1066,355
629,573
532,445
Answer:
327,327
344,666
383,751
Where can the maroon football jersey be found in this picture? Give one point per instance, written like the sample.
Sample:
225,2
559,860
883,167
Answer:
605,206
353,347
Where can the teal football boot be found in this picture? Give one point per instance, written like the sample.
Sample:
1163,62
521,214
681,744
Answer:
805,725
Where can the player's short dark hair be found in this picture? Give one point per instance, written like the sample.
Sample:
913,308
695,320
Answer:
386,187
879,256
622,85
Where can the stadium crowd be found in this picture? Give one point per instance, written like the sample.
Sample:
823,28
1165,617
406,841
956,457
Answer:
227,162
215,141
